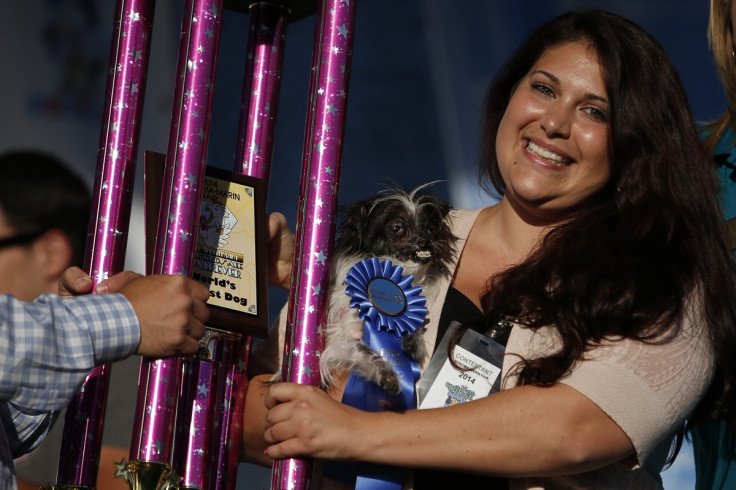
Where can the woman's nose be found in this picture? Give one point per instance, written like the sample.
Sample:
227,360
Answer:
556,121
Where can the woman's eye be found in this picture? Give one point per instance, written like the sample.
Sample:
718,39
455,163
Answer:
543,89
596,114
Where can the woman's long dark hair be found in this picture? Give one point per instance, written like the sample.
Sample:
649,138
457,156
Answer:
627,264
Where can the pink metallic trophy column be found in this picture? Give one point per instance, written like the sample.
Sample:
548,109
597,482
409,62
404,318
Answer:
315,227
267,23
262,81
109,221
152,446
194,428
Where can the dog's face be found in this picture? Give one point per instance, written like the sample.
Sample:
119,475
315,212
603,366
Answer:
409,226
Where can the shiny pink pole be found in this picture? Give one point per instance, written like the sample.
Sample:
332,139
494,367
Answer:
109,220
262,82
197,403
179,211
315,226
233,382
253,156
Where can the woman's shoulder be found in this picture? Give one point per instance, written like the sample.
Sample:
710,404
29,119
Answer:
462,221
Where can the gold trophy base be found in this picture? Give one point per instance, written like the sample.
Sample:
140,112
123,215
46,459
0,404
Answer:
147,475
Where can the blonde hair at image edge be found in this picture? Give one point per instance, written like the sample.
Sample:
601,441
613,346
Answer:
720,38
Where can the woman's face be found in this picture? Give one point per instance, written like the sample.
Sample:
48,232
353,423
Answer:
551,144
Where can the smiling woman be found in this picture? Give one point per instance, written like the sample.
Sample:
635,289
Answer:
552,143
608,255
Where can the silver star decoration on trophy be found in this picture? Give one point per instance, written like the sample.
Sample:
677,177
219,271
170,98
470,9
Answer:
123,471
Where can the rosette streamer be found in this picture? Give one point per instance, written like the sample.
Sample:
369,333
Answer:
109,222
390,307
315,224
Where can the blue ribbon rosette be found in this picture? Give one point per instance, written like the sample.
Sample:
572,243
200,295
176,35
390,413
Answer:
390,307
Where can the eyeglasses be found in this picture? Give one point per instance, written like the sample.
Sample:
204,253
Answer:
21,239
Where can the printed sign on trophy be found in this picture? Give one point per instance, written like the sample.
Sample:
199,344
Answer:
230,252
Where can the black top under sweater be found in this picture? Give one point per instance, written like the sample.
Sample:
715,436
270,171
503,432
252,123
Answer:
458,308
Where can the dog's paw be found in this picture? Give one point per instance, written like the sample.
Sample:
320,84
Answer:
413,345
389,381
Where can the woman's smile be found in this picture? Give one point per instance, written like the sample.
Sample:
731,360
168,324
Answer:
553,156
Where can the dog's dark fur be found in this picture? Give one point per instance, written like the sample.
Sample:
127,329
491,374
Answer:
412,230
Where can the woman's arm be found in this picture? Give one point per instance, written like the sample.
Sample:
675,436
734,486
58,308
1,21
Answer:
253,424
524,431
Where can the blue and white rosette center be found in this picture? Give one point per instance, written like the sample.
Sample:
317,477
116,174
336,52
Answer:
385,298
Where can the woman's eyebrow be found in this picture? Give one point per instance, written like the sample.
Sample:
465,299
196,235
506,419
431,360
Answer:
555,80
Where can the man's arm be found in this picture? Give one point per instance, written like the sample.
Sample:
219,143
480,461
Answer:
49,346
160,317
46,353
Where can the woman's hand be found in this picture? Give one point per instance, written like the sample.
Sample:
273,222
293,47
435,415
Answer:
303,421
280,251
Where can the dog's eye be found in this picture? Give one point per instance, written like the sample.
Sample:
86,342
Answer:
396,229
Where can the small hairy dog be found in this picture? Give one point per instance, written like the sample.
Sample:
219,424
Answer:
412,230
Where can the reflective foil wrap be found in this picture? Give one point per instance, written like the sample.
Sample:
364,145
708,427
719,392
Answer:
109,220
179,211
315,227
253,156
197,401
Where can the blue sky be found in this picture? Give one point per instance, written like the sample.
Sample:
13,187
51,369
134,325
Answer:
681,476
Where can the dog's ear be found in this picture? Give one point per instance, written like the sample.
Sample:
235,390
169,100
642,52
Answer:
356,215
442,208
352,226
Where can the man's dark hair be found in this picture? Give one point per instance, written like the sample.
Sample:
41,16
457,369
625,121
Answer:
39,193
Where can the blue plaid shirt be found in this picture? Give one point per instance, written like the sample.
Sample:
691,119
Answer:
47,348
